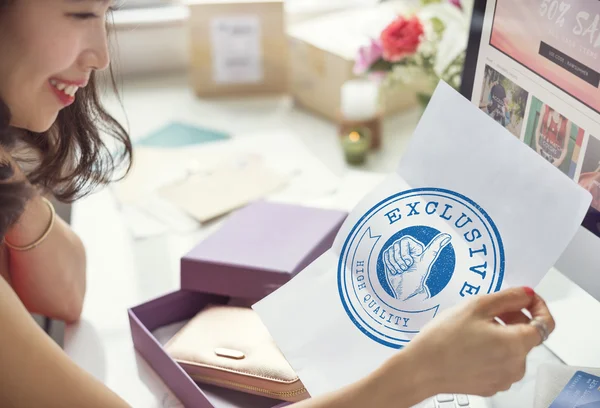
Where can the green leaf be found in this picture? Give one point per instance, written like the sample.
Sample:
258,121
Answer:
423,99
381,65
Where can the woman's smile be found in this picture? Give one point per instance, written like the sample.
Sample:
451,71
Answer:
65,90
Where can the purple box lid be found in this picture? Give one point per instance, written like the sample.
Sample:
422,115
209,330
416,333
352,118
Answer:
259,248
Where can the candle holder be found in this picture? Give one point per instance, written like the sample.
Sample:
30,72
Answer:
360,109
345,126
356,144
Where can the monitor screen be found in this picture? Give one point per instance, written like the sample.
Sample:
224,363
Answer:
534,67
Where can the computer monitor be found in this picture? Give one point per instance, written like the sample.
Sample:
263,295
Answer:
534,67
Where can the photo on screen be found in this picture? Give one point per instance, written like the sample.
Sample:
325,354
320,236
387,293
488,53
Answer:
558,40
590,171
556,138
503,100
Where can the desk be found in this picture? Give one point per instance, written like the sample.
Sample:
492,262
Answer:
124,273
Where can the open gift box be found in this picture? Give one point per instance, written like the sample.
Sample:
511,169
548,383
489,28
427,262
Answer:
257,249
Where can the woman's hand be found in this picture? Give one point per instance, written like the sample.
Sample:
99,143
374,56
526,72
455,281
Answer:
462,351
466,351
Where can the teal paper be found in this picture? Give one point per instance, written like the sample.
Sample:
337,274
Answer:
177,134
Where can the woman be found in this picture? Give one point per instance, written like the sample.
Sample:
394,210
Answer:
552,136
50,144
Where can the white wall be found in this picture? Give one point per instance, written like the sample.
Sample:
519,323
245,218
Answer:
149,41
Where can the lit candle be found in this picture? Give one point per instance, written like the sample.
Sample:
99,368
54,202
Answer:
356,145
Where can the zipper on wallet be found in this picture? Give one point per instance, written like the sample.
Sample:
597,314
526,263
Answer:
249,387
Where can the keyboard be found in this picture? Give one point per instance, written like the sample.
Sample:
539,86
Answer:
455,401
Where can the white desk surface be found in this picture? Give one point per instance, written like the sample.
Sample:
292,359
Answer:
123,273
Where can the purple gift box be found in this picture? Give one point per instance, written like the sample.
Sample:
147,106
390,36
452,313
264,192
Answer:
257,249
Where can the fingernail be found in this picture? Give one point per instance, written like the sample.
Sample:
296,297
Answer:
530,292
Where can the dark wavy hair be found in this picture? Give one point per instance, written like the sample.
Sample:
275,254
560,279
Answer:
72,156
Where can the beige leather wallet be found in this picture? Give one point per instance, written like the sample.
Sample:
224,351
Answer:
230,347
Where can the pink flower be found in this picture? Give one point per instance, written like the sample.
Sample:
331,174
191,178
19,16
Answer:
367,56
401,38
456,3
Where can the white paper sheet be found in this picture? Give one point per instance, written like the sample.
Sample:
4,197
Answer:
140,224
470,210
353,186
307,178
208,196
236,49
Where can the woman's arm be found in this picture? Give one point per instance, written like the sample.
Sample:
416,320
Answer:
400,383
462,351
50,279
35,371
451,355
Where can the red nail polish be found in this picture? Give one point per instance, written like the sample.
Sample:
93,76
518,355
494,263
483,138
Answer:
530,292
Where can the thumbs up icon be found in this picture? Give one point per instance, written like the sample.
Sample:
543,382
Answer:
408,264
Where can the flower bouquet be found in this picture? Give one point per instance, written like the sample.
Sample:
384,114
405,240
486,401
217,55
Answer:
420,48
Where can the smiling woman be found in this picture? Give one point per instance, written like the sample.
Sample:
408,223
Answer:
51,123
53,131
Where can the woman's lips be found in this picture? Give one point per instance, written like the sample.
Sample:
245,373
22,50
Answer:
63,94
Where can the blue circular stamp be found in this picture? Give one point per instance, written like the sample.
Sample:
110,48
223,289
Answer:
410,255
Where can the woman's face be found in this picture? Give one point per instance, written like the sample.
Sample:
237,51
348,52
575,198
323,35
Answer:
48,49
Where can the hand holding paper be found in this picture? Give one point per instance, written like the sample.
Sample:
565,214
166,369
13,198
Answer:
462,337
471,211
452,356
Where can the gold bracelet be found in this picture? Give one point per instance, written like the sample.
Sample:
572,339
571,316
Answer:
44,235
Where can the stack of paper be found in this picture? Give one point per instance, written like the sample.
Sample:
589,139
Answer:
178,188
